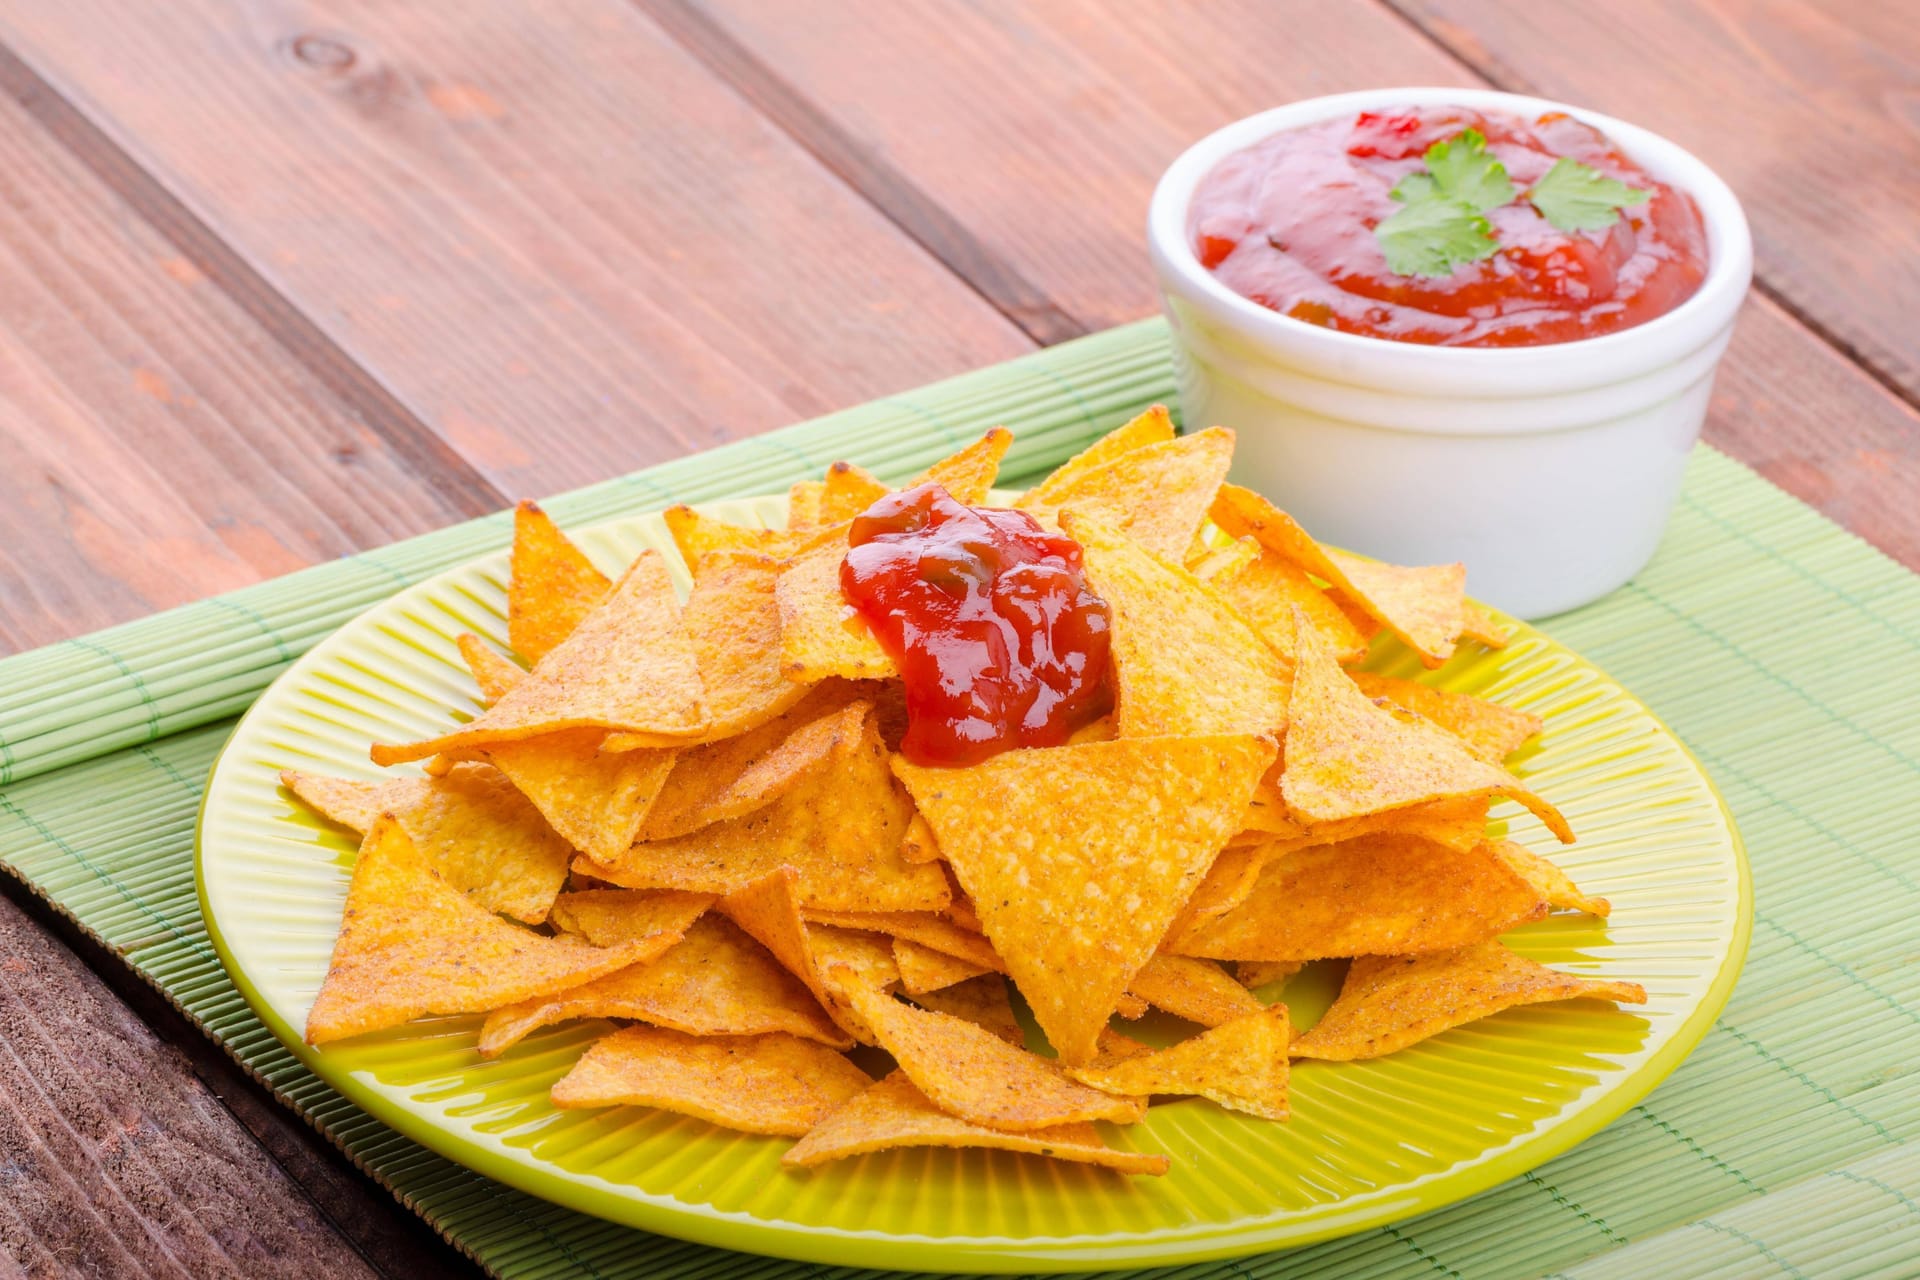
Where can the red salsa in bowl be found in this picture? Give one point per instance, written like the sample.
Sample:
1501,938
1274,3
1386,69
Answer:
1451,227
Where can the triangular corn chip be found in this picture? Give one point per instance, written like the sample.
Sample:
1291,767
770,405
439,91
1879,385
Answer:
1549,881
1184,663
981,1000
698,536
847,960
608,917
716,981
1267,589
412,944
626,666
820,635
968,475
728,779
1242,1065
1075,909
918,845
494,672
1491,731
1481,623
1154,426
923,927
922,969
1261,973
1422,605
1157,495
1226,885
847,492
553,586
893,1113
968,1071
803,507
1197,990
1390,1002
1346,756
596,799
1378,895
769,913
756,1084
472,826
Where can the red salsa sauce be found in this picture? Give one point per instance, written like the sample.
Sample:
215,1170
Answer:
1289,223
989,619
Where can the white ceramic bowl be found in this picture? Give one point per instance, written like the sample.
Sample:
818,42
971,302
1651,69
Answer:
1549,471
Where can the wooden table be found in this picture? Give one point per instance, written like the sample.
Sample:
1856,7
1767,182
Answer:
284,280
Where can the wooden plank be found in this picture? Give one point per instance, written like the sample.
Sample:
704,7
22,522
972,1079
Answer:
159,443
551,233
1039,130
1806,107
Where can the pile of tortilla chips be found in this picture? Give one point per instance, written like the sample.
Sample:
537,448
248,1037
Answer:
690,817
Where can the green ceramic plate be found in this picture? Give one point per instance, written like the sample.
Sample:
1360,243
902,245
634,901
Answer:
1369,1143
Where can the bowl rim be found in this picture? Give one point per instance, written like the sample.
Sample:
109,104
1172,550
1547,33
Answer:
1607,358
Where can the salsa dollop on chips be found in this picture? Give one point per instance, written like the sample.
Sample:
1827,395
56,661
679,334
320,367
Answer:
989,619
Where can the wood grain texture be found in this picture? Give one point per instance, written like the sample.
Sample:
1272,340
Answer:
114,1160
547,229
156,444
1810,109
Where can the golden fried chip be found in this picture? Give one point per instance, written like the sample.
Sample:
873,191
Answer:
1261,973
757,1084
922,969
1491,731
1184,663
1154,426
981,1000
1377,895
1157,495
1213,564
1481,623
847,960
698,536
968,1071
472,826
803,507
1074,909
918,845
552,587
736,776
1265,592
820,635
412,944
628,665
893,1113
1390,1002
1423,606
596,799
608,917
1197,990
1226,885
716,981
1242,1065
1347,756
839,829
924,927
968,475
1548,880
768,910
494,672
847,492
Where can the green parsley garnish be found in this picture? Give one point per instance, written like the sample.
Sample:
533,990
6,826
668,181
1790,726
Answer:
1444,225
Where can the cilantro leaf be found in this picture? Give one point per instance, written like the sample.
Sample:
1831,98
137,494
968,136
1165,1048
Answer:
1575,197
1433,235
1464,170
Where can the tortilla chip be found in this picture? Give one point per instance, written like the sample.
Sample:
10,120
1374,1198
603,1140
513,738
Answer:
756,1084
1226,885
1347,756
1157,495
1390,1002
1242,1065
715,982
1265,592
1378,895
1261,973
1184,663
847,492
968,1071
922,969
918,845
968,475
1491,731
609,917
981,1000
893,1114
472,826
803,507
923,927
1076,909
627,666
737,776
1197,990
1477,622
596,799
1154,426
1211,564
412,944
1548,880
552,587
699,536
820,635
494,672
847,961
1424,606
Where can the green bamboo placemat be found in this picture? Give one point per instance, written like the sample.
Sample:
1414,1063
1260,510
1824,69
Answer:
1781,648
